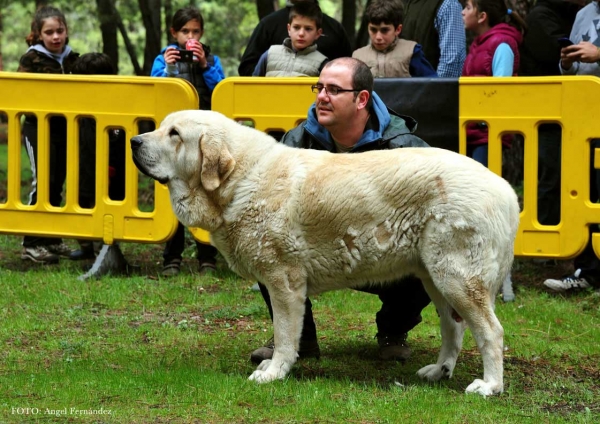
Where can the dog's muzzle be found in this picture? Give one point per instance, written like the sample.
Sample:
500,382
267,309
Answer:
137,142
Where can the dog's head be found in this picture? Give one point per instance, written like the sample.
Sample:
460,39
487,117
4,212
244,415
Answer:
189,153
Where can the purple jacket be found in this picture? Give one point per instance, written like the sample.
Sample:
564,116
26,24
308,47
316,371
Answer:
481,53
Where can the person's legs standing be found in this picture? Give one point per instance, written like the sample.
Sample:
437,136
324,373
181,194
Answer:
173,252
34,247
549,165
207,257
479,153
586,264
400,312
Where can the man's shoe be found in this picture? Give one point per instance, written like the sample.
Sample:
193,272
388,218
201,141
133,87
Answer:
60,249
171,268
569,283
308,349
393,348
39,254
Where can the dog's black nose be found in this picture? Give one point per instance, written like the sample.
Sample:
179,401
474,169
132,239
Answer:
136,142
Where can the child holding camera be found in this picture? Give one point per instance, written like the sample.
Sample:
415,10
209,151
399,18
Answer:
189,59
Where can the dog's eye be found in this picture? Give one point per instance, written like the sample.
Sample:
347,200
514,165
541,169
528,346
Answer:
173,133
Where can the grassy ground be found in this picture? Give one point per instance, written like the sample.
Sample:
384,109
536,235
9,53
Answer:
176,350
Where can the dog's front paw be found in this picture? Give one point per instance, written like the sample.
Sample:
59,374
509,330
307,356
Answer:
484,388
262,376
264,365
434,372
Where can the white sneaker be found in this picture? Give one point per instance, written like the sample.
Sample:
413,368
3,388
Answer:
39,254
572,282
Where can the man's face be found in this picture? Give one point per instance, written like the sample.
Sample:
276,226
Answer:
383,35
303,32
336,110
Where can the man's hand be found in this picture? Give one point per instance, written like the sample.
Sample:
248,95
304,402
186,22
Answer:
583,52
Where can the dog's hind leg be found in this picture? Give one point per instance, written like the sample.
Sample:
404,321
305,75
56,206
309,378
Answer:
288,313
452,337
475,306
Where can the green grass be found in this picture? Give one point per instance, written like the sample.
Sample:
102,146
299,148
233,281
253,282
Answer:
176,350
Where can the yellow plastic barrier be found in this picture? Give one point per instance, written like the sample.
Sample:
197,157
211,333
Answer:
506,105
113,101
521,105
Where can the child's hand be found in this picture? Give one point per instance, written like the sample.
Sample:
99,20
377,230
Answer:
171,55
199,55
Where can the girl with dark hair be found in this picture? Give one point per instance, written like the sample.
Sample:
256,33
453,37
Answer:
204,71
493,53
48,53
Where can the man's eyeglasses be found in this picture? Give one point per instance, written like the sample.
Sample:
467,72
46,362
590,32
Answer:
331,90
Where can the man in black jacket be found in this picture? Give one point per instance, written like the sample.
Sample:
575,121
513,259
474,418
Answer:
272,29
348,117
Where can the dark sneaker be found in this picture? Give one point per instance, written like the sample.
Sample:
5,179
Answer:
39,254
207,268
308,349
569,283
60,250
393,348
82,254
171,268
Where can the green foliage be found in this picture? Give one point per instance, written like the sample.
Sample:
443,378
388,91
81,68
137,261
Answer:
228,25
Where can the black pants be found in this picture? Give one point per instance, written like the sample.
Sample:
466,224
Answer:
587,260
549,194
175,246
57,169
400,311
549,152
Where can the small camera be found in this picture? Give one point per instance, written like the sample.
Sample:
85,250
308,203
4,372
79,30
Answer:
186,56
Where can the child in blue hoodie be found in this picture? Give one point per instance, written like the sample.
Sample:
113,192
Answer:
204,71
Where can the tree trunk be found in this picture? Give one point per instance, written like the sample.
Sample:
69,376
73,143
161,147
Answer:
168,20
108,27
39,3
1,30
130,48
264,7
150,10
349,19
362,37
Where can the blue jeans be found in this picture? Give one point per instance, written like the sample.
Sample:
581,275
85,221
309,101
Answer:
479,153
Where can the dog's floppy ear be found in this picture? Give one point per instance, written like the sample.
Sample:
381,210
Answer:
217,163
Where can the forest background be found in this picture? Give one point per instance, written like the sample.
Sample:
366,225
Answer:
132,32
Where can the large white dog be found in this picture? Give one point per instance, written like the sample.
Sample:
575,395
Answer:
305,221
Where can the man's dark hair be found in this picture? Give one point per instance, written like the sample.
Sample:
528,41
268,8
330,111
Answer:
308,9
385,12
362,78
94,64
